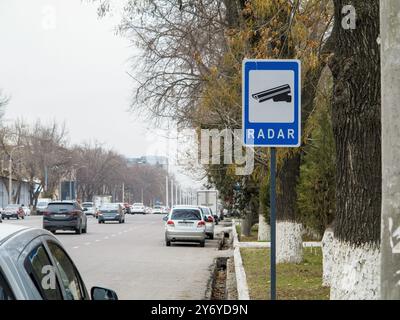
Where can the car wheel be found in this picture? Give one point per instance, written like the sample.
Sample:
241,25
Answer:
211,236
168,243
84,230
202,244
23,217
53,231
79,230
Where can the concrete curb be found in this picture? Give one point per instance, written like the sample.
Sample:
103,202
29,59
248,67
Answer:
241,281
268,245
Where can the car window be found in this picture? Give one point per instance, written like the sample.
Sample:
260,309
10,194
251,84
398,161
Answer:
5,290
60,207
205,211
87,205
186,214
70,279
41,272
42,204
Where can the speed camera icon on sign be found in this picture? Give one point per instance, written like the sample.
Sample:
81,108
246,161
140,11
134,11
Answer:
271,96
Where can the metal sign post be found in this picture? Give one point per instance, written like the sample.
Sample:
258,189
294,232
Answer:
273,222
272,118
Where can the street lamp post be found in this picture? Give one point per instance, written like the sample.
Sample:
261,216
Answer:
10,175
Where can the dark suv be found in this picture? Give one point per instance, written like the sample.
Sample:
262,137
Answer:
65,216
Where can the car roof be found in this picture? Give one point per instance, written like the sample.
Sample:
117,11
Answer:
185,207
7,230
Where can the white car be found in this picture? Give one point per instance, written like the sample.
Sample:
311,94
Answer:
138,208
185,224
210,221
89,208
27,210
157,210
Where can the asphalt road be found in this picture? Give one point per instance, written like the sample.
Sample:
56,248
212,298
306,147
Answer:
132,259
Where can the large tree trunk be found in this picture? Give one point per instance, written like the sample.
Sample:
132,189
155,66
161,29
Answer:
288,230
356,116
390,258
264,229
250,218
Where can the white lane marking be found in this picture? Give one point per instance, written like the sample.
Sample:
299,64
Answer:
87,244
76,248
119,232
125,231
113,235
98,240
106,238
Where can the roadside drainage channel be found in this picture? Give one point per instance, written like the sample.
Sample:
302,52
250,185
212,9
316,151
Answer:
218,286
223,279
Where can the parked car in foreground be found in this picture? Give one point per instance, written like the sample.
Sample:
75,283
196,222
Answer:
112,212
13,211
89,208
209,220
24,254
65,215
138,208
185,224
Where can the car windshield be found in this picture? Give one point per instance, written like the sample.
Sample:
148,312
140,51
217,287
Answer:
60,207
138,204
42,204
87,205
157,207
13,206
186,214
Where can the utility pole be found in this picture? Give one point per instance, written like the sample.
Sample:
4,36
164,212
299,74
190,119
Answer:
172,193
123,192
142,196
390,225
166,190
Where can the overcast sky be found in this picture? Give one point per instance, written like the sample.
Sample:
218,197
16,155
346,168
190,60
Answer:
58,60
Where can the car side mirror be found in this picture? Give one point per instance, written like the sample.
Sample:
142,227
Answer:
165,218
98,293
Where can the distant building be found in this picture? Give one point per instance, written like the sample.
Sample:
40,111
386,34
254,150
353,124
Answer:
23,194
157,161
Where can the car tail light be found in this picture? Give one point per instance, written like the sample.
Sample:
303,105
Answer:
46,213
170,223
210,219
75,213
201,224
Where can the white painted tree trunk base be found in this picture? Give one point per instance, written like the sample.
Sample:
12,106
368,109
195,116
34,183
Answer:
264,229
355,273
327,257
289,242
